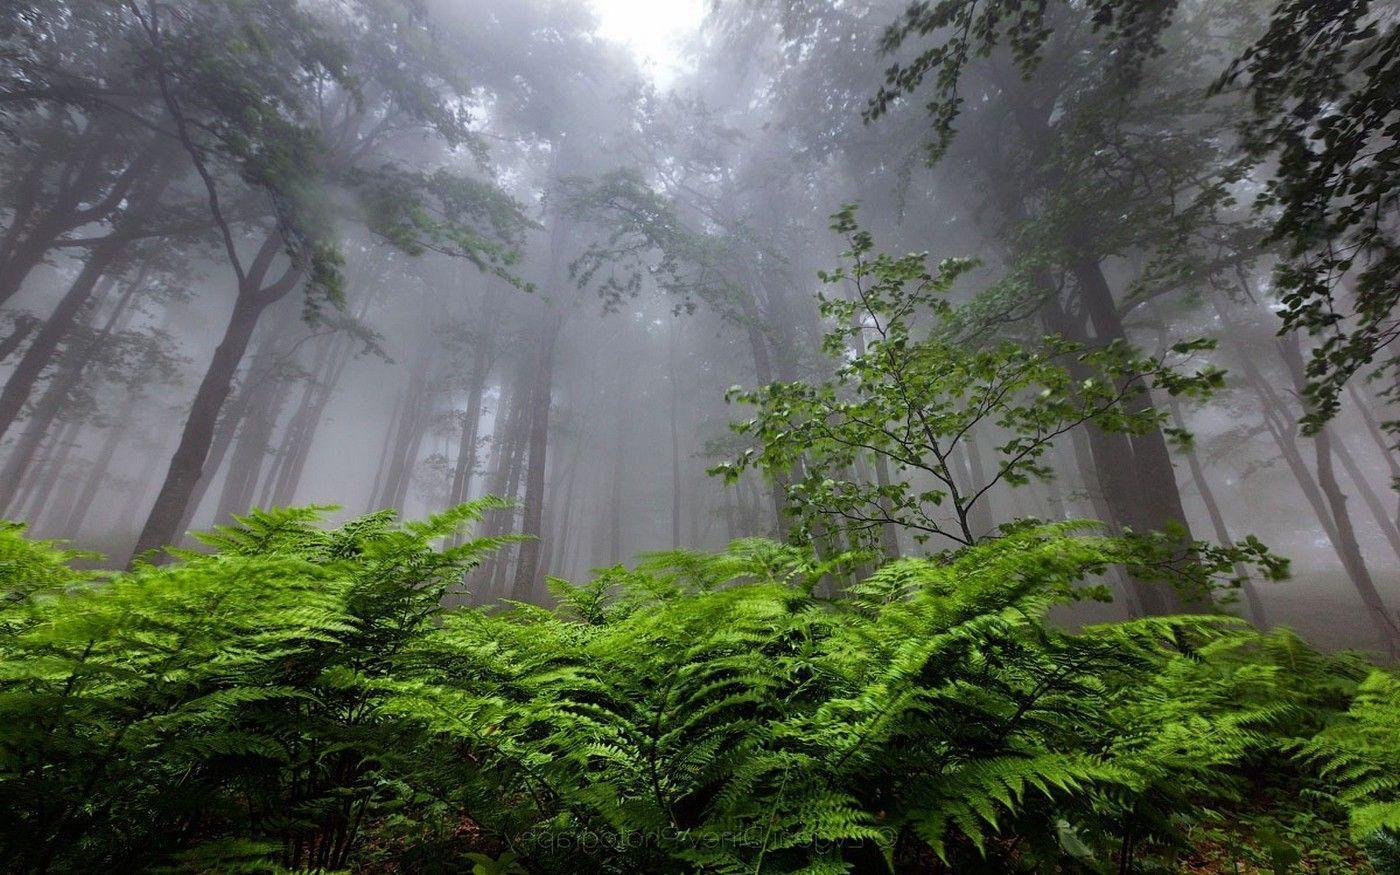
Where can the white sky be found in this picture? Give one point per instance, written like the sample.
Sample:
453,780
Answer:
652,29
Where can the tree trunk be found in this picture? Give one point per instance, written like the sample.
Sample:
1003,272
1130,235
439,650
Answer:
1387,448
482,358
619,467
1111,458
20,385
51,471
1348,548
56,397
74,524
1157,494
282,481
63,211
763,372
381,468
256,381
675,445
261,405
22,380
1369,495
1217,520
187,464
408,438
527,569
24,326
1350,551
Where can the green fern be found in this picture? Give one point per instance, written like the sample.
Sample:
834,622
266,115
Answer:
301,699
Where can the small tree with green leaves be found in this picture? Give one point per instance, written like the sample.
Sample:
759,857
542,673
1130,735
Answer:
909,389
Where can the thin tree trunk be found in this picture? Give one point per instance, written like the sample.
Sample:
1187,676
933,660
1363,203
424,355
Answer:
1388,448
40,353
291,456
618,468
1348,548
381,468
482,359
74,524
1369,495
408,437
675,444
104,255
39,484
62,210
261,408
25,325
1217,520
56,397
527,569
763,371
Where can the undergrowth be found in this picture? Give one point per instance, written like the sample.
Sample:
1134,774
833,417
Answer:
299,698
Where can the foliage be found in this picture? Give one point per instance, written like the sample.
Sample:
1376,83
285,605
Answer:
1361,753
647,236
300,698
973,30
216,710
1321,113
915,395
1322,82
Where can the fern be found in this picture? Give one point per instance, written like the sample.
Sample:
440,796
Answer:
1360,752
300,698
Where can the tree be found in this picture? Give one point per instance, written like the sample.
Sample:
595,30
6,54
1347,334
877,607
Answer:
1320,81
911,394
320,134
1321,84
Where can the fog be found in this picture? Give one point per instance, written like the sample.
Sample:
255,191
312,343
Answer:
524,248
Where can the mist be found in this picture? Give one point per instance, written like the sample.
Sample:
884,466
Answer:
733,340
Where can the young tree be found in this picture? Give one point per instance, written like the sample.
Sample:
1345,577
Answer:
915,387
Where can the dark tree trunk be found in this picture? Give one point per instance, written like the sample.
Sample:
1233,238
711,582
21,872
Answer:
187,464
482,359
56,397
1111,458
528,582
22,380
40,353
1158,494
79,199
255,383
25,325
